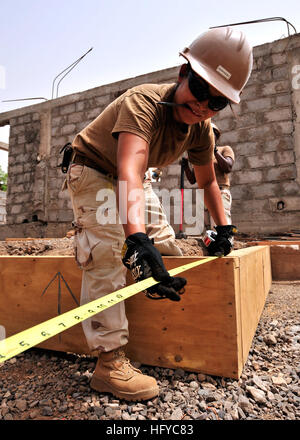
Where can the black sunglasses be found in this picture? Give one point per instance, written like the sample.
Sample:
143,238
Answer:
200,89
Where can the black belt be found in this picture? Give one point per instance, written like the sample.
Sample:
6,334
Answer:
82,160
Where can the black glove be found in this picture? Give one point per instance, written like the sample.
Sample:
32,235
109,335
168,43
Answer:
223,241
143,259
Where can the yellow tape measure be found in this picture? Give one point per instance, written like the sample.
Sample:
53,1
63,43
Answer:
26,339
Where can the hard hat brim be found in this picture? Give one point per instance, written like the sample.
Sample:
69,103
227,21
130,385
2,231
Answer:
213,78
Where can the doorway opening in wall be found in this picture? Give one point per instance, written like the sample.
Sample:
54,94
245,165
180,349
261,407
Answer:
4,145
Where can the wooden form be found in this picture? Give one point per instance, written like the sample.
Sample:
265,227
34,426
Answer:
210,330
285,258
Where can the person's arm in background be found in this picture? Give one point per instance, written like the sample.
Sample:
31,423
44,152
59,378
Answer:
222,243
206,179
190,174
225,163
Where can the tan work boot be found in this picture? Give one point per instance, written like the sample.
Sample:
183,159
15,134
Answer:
114,374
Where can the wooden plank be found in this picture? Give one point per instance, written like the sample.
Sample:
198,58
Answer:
285,262
255,280
204,332
285,259
22,281
198,333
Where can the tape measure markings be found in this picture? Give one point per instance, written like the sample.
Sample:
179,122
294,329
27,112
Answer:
26,339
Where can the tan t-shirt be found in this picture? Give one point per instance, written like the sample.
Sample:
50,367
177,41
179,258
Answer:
223,178
137,111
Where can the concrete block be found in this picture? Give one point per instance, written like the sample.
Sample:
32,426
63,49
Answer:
22,198
226,124
261,161
263,190
281,72
285,157
260,76
65,216
67,109
289,188
16,209
24,119
244,121
249,92
248,176
278,143
280,114
249,206
102,101
285,127
283,100
247,148
280,173
58,121
92,114
21,139
15,130
52,215
231,137
284,204
239,163
58,141
275,87
259,104
174,170
68,129
74,118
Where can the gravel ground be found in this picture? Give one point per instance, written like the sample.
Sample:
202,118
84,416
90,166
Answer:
47,385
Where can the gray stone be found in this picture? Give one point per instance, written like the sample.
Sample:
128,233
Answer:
179,372
244,404
99,411
21,404
270,339
177,414
47,411
168,397
34,414
194,385
259,383
258,395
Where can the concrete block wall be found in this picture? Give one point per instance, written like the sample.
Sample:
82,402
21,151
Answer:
265,135
36,206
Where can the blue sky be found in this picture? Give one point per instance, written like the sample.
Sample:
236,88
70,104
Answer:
39,39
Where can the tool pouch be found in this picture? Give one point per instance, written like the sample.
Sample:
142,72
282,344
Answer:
67,151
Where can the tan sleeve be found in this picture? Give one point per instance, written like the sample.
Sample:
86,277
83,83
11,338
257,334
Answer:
137,114
227,151
202,149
